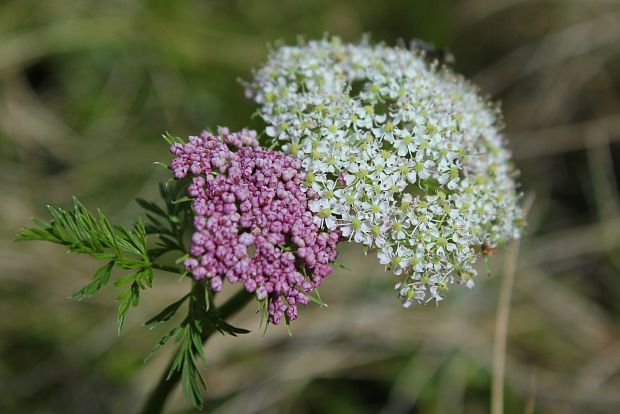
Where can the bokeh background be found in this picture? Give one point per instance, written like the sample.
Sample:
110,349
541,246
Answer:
88,87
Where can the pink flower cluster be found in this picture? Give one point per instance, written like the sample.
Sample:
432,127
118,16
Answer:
252,220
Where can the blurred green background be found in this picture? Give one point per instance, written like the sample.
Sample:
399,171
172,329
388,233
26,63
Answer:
88,87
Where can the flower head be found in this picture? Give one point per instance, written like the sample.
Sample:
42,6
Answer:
404,155
253,224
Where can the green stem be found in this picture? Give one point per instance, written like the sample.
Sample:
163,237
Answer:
157,398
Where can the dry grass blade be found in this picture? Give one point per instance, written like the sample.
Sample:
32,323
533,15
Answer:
501,329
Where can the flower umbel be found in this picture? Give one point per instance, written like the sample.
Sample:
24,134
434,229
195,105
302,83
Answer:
252,221
408,151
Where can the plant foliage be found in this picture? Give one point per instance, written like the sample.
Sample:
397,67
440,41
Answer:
81,231
84,232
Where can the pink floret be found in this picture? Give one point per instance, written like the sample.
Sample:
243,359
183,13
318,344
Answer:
252,222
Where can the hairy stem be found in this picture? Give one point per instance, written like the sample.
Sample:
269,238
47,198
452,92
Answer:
157,398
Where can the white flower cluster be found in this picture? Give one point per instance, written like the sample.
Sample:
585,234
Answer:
407,158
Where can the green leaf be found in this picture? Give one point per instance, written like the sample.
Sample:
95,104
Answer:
28,234
125,280
147,275
152,207
171,139
162,165
126,262
129,298
192,380
219,324
155,224
81,232
101,277
163,341
126,242
316,298
108,233
167,313
181,200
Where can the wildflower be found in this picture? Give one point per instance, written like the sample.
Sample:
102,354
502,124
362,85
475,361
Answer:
253,224
409,153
